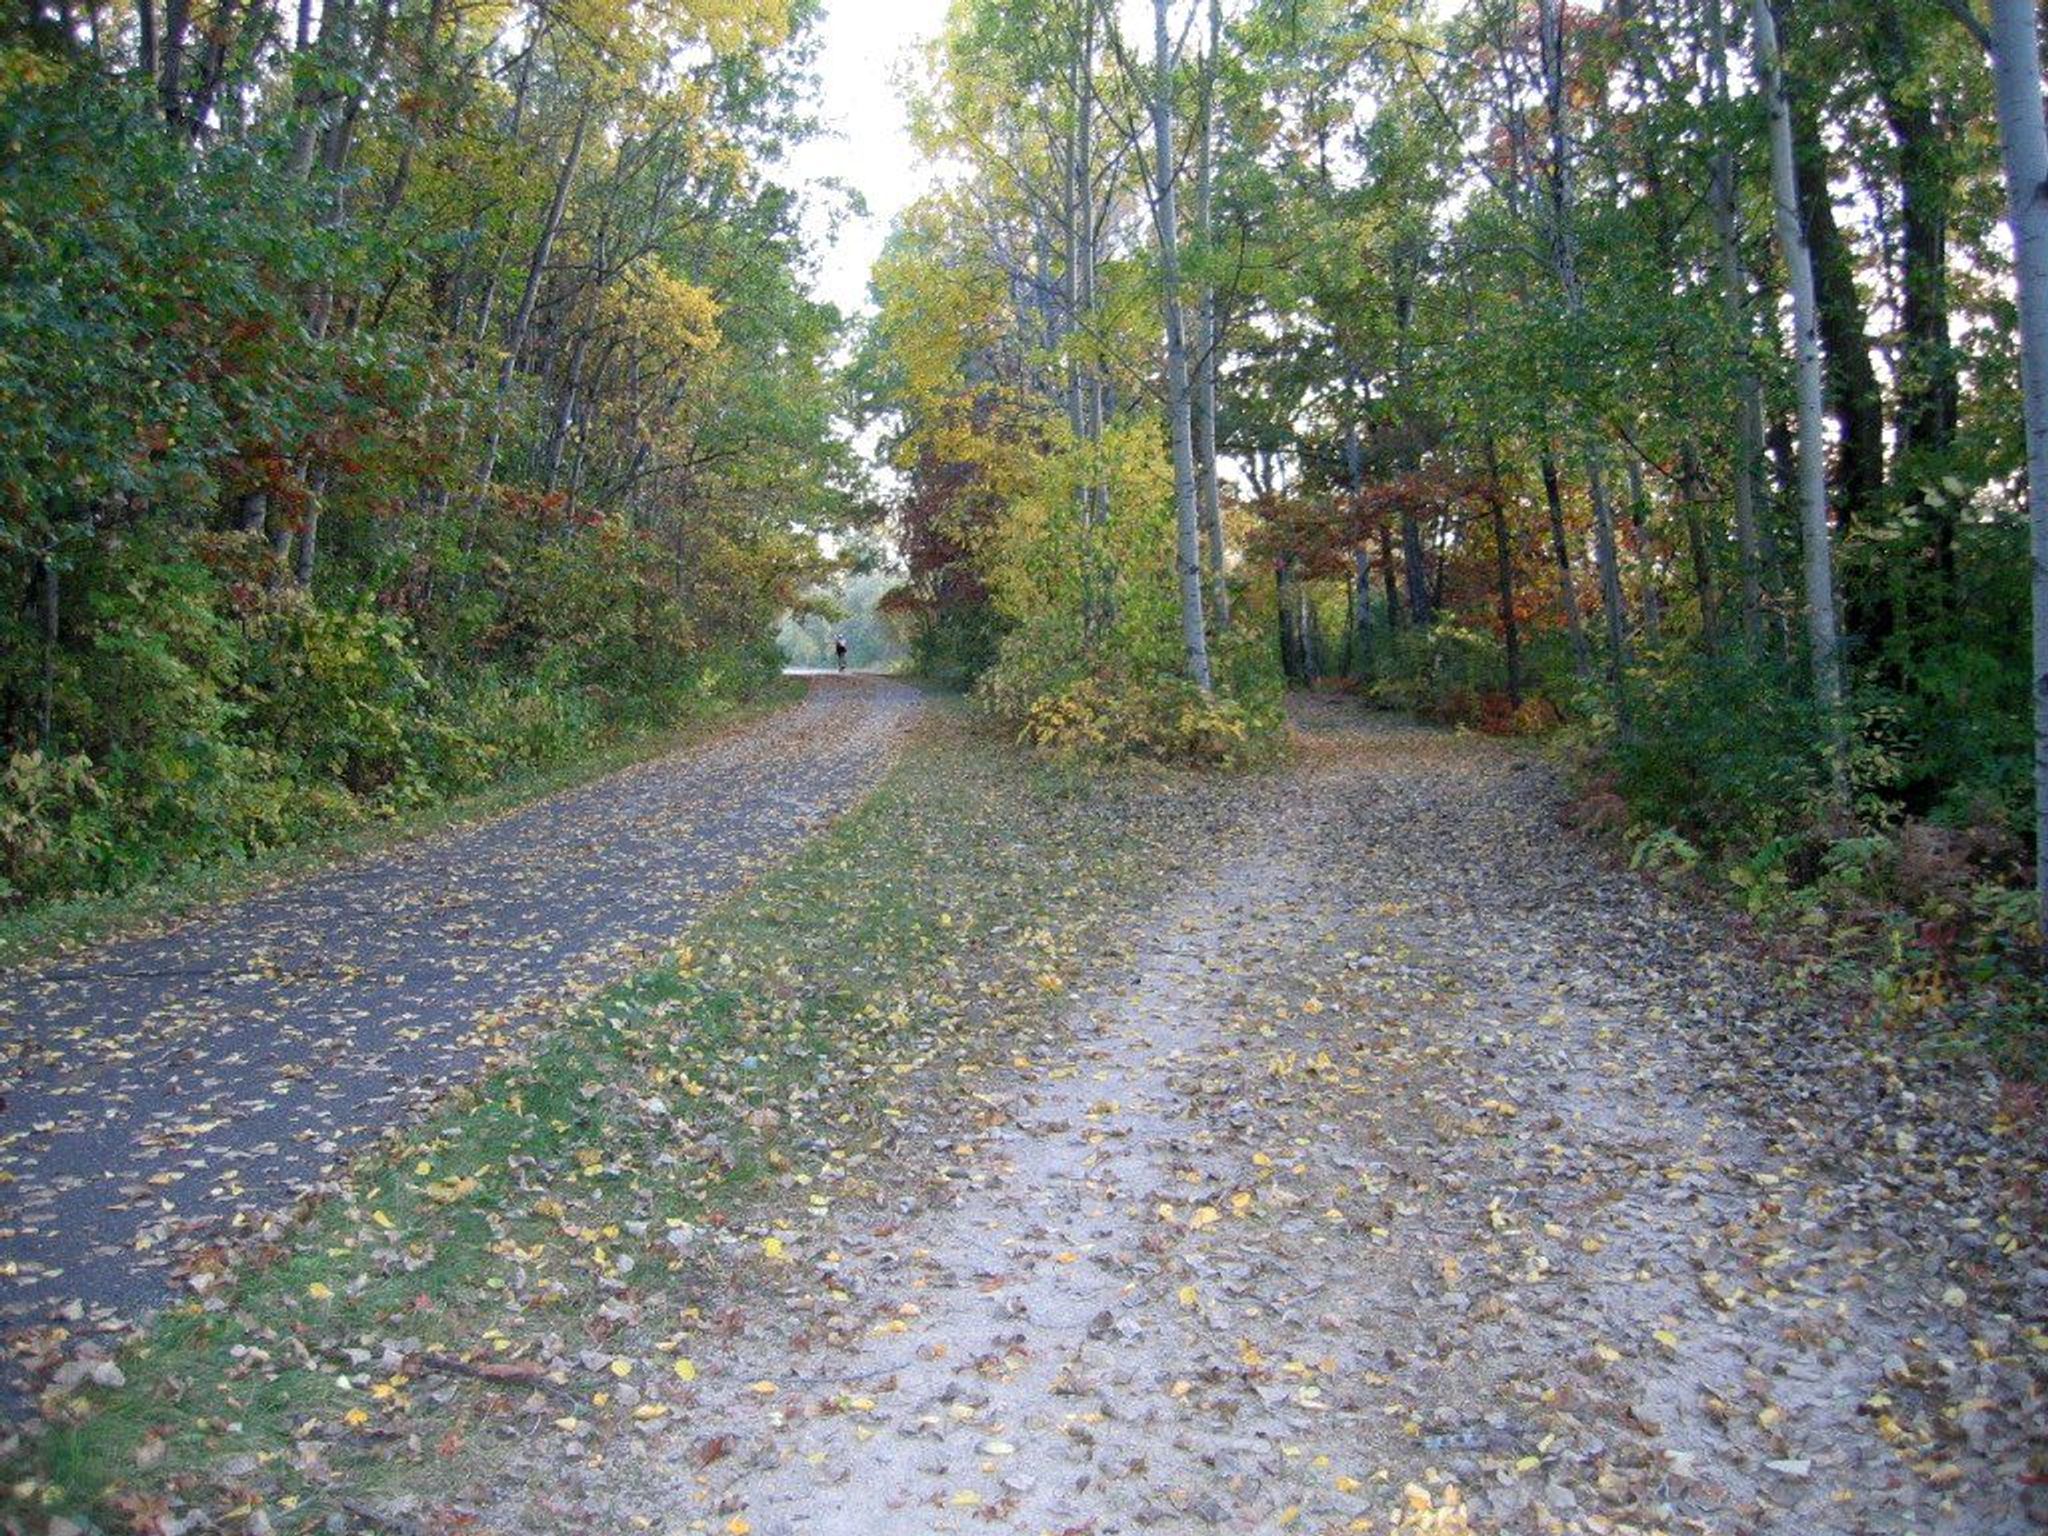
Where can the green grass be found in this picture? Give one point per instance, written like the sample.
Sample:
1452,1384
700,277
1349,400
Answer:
748,1083
55,926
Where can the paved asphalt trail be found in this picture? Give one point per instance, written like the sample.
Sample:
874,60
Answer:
160,1085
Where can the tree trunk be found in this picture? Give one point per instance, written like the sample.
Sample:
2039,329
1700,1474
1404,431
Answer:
2016,69
1813,490
1415,570
1361,612
522,320
1565,258
255,509
1733,292
170,77
1284,613
1387,579
1166,218
1929,384
309,537
1080,229
1504,572
1361,563
1205,366
52,614
1607,560
1561,552
1851,378
1691,492
1646,565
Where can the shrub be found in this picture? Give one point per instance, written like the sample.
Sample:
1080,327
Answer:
1725,750
1068,703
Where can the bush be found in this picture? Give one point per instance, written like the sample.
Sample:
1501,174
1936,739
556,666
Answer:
954,645
1725,750
1072,704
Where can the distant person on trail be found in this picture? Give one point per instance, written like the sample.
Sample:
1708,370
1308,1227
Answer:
839,650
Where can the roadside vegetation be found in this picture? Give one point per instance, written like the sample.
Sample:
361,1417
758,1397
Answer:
359,448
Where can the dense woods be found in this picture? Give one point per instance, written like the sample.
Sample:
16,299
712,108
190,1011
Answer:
396,392
1652,366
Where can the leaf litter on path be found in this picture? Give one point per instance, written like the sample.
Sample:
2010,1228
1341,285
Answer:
1343,1149
1411,1170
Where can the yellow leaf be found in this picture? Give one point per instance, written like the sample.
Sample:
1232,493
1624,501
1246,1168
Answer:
1206,1216
622,1369
686,1370
1188,1295
772,1247
318,1291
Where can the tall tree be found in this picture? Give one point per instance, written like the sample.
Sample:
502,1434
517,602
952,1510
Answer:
1821,638
2015,42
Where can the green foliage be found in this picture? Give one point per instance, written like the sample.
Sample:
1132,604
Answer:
1725,750
1053,695
288,545
954,646
214,718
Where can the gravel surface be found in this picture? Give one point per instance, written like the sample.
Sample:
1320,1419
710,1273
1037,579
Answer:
154,1090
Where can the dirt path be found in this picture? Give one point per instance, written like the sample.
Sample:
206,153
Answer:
1412,1149
158,1087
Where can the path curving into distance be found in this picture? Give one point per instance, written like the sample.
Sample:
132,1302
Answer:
153,1087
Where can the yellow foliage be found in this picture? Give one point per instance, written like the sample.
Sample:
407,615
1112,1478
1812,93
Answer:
663,312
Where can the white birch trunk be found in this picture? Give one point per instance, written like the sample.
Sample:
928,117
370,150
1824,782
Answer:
1817,549
1166,216
1207,487
2016,71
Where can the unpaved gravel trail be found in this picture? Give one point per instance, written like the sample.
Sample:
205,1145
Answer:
156,1087
1411,1148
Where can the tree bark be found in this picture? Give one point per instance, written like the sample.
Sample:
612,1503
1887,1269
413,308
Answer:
1646,567
1853,391
1929,383
1564,256
1822,643
1207,486
2016,70
522,319
1733,293
1504,571
1166,219
1387,579
52,615
1561,552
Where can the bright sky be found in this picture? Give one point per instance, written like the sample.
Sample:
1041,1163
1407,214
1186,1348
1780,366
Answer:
865,143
